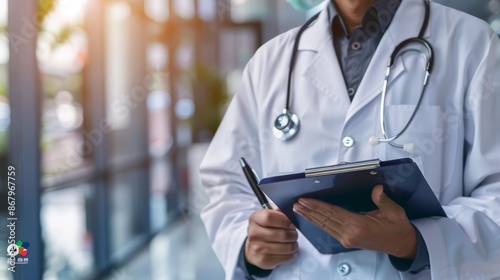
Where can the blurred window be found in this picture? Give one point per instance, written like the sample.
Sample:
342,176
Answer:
159,112
127,81
207,10
159,100
248,10
66,143
157,10
184,8
62,55
4,98
66,219
137,108
127,208
161,187
4,127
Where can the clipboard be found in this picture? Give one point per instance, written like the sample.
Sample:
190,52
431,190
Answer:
349,186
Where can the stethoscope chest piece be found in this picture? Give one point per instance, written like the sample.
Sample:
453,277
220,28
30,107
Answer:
286,126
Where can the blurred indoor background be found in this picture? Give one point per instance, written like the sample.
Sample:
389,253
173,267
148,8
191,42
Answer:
118,104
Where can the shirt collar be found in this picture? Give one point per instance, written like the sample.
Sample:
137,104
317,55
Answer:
383,9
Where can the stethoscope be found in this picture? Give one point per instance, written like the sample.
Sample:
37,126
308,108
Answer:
287,124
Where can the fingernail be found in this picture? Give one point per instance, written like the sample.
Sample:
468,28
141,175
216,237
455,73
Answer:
382,198
382,193
292,226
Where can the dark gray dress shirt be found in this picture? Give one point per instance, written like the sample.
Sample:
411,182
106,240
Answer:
355,50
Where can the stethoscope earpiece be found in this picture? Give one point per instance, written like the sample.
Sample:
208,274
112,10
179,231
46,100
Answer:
286,125
410,148
374,141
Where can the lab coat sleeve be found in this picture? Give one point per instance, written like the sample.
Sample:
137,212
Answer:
420,262
231,200
466,245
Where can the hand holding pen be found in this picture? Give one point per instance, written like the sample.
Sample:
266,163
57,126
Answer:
272,238
252,181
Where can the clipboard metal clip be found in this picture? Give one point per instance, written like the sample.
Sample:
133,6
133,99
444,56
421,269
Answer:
342,168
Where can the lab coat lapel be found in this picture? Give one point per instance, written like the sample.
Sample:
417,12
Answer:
406,24
323,72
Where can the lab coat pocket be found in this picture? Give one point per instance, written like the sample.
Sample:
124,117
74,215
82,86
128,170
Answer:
428,133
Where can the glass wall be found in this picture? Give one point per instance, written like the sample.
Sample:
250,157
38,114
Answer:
4,102
65,213
4,127
128,87
126,80
161,121
127,209
66,146
62,55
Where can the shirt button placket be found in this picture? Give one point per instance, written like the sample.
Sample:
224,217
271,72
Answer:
351,92
356,46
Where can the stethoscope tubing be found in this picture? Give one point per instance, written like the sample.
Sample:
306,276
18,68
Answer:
292,127
294,58
428,68
399,50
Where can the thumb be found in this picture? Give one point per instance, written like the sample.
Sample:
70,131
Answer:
383,202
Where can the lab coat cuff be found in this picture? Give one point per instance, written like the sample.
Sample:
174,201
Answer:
250,271
430,229
416,265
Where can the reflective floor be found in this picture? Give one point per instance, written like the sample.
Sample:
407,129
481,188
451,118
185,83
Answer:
181,253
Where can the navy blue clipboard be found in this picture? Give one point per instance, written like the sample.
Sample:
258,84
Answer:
350,186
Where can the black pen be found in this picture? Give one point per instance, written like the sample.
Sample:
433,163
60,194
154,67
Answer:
249,173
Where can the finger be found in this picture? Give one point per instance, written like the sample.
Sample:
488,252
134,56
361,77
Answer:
271,261
279,258
383,202
266,248
333,212
320,220
259,233
272,219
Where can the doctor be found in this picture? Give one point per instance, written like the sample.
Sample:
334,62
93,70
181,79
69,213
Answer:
337,89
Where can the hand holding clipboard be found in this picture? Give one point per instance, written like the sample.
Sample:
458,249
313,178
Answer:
350,187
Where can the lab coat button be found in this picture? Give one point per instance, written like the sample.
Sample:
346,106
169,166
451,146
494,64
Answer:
348,142
343,269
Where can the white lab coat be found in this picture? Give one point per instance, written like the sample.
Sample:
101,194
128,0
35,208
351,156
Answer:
456,131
